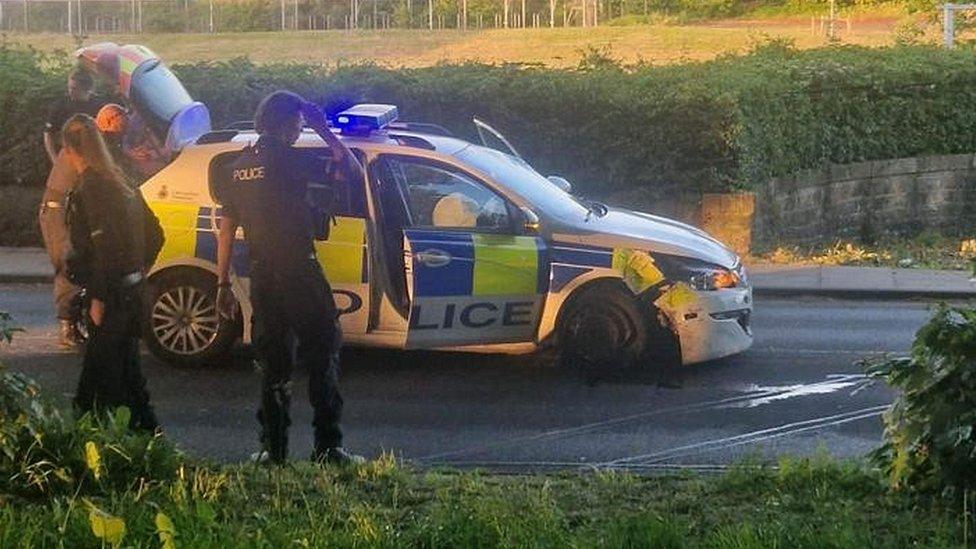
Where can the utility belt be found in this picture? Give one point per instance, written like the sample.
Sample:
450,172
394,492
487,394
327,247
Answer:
283,264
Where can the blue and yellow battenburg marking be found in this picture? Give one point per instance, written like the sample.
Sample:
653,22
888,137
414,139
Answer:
189,231
635,267
480,264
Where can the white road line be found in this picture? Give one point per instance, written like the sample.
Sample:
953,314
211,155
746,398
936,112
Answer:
523,465
560,433
751,437
865,352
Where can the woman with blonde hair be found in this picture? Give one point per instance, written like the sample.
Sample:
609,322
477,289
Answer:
115,238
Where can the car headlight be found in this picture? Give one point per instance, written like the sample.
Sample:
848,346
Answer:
714,280
700,275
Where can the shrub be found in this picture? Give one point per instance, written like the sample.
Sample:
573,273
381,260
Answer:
728,124
30,81
930,430
18,216
46,452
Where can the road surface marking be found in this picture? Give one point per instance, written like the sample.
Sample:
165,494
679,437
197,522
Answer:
751,437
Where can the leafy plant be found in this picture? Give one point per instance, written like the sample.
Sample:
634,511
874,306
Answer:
7,327
45,452
930,430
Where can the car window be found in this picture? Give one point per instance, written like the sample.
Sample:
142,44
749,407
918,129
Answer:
442,196
348,200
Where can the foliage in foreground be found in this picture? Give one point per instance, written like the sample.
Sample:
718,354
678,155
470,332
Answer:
94,485
800,504
930,430
45,452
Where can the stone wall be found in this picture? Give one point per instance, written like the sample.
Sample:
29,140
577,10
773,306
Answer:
869,199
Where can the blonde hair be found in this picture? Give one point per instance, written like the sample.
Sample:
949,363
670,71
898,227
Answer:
81,135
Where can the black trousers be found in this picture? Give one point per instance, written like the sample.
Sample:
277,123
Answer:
295,320
111,375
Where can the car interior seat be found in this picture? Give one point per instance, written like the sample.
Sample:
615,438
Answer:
455,210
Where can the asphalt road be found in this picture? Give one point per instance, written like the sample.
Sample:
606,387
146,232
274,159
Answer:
798,391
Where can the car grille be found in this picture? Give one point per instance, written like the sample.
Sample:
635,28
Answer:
741,316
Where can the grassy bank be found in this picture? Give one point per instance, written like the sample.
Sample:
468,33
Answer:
925,251
559,47
800,504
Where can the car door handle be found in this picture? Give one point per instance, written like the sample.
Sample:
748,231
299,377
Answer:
433,257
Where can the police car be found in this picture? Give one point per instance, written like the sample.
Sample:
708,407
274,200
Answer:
450,244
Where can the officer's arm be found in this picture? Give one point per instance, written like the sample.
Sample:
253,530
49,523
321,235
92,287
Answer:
225,246
52,132
341,155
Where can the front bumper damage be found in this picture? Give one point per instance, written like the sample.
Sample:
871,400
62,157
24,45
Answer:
709,324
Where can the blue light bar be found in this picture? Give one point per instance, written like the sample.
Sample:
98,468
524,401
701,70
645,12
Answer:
366,118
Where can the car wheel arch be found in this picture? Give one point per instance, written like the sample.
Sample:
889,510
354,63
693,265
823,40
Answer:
576,293
658,320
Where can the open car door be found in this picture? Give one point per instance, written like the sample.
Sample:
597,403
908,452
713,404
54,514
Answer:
471,277
493,139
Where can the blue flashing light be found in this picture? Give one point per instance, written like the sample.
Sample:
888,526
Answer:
366,118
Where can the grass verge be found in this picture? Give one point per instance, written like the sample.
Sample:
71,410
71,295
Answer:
807,503
925,251
559,47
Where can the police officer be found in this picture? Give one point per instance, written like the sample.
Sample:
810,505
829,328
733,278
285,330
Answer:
79,99
61,179
115,238
292,300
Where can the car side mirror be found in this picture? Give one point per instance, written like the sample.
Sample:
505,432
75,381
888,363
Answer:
530,221
561,182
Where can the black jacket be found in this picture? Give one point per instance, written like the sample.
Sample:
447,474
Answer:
113,233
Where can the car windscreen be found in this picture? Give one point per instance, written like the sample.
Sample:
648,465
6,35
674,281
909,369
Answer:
518,176
158,94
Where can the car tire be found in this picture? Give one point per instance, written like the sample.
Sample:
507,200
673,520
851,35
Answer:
605,330
181,323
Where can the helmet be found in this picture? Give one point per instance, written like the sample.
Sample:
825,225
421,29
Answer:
111,119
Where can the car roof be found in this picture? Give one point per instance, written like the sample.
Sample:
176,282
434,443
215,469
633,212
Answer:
446,145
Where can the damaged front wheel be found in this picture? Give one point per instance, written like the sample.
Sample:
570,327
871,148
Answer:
606,330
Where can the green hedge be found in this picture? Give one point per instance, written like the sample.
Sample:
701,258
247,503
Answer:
725,124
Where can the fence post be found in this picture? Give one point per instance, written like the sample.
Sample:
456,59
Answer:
948,22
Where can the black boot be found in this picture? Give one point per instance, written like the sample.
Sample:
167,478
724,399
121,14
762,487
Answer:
336,455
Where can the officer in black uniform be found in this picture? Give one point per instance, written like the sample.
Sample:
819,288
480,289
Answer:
115,238
291,298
